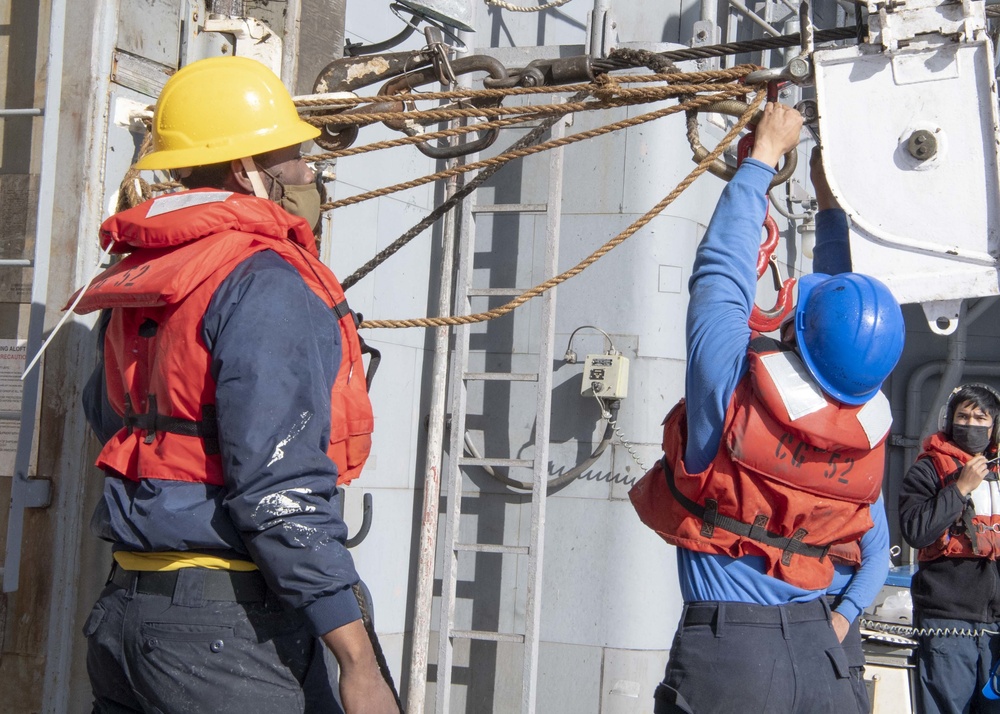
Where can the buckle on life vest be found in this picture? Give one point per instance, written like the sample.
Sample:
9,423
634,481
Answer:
710,515
151,422
797,536
757,530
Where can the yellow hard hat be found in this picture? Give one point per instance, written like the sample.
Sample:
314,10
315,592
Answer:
220,109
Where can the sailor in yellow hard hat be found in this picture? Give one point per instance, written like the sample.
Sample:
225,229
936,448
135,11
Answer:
223,399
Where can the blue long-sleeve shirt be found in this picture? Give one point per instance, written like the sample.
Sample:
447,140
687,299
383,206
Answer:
857,587
722,289
275,351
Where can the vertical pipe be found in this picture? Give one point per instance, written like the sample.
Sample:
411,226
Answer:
710,11
597,27
955,367
39,293
432,471
290,45
76,562
417,681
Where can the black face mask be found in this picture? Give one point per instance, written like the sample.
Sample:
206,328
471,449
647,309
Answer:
971,439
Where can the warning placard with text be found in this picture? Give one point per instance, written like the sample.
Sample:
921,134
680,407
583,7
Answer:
12,361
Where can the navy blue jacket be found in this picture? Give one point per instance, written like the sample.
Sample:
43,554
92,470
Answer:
275,351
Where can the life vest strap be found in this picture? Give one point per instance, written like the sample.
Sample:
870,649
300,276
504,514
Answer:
207,428
711,519
374,355
970,528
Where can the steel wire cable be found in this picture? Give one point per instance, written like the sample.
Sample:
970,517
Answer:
620,59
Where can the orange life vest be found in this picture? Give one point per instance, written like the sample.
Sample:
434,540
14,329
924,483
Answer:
794,475
976,533
181,248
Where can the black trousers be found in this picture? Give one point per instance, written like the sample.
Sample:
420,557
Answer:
741,658
183,652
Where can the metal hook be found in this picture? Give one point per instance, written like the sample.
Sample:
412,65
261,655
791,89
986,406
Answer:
770,320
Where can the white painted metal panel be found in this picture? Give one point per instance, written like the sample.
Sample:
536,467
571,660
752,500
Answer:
928,228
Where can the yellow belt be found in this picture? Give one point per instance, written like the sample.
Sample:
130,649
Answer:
175,560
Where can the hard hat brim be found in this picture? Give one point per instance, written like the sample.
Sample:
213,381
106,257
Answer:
202,156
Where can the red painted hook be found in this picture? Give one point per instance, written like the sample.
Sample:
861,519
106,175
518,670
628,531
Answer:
770,320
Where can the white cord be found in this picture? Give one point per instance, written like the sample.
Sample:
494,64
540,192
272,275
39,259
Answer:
519,8
69,311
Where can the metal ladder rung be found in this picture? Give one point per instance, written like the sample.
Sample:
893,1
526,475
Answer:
458,463
494,292
502,376
10,416
489,636
16,263
513,463
511,208
492,548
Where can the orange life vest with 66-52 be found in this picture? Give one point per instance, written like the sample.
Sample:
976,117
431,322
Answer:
157,367
794,476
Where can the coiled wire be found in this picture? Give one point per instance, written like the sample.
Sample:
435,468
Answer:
907,631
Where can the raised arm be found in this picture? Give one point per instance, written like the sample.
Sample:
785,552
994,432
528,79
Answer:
723,285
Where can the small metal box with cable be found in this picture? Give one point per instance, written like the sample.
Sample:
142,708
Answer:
605,376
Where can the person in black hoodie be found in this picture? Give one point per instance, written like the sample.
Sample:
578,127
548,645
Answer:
949,508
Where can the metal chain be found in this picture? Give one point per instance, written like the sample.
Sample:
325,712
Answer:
520,8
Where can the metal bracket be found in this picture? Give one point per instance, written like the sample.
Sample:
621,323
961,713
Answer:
37,493
706,33
252,37
942,315
601,31
895,23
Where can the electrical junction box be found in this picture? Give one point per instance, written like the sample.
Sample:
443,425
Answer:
605,376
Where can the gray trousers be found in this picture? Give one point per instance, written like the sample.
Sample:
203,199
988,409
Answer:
167,654
751,659
953,670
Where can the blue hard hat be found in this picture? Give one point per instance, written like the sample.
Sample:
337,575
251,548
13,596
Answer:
850,333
